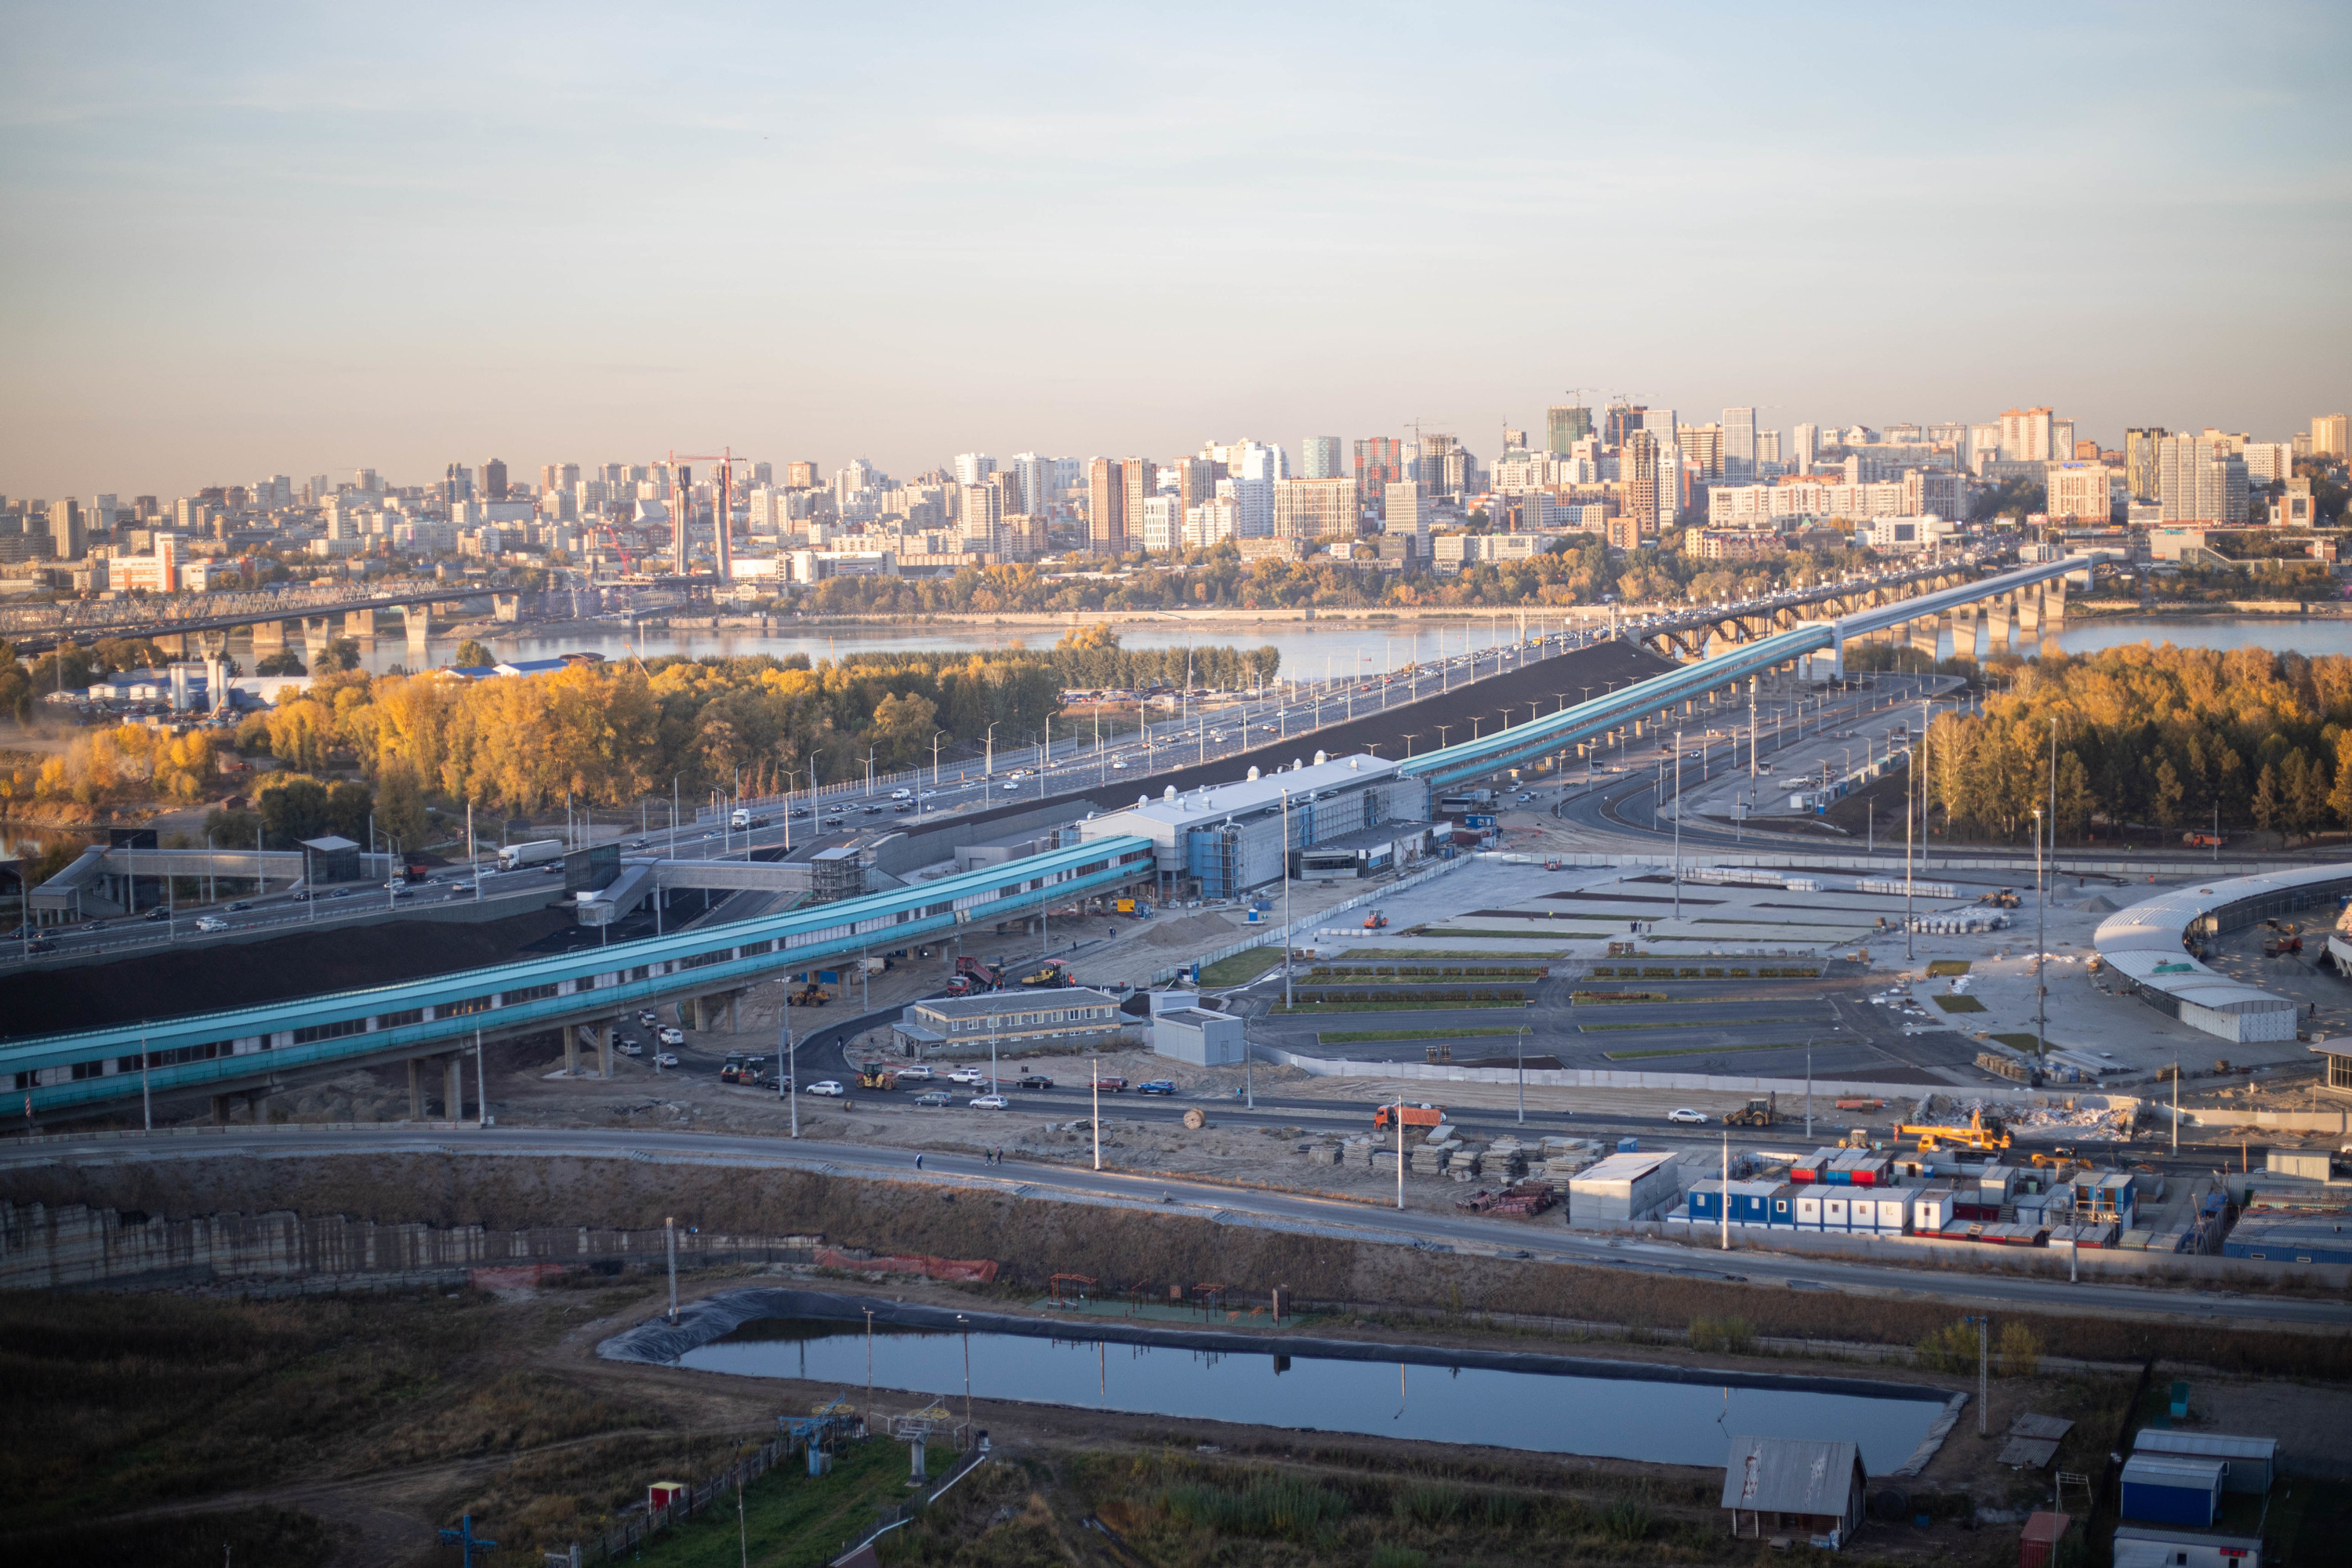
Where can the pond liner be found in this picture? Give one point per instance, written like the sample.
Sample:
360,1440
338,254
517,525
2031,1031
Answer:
658,1342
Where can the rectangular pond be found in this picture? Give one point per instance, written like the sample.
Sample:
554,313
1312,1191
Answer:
1543,1404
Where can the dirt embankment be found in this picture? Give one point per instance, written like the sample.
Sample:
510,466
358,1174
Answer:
167,984
1122,1249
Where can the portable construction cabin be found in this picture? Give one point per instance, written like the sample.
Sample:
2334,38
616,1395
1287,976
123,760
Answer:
1203,1039
2290,1238
2168,1489
1623,1187
1750,1202
1782,1486
2139,1546
1810,1167
1931,1209
2254,1461
1886,1211
2037,1545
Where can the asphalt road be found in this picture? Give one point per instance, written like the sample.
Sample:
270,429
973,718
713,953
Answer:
1538,1239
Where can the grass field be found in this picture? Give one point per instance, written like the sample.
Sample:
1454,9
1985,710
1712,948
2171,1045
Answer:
1437,955
1693,1052
1959,1004
1354,1037
1397,1004
1236,968
1536,930
791,1521
1938,968
2018,1042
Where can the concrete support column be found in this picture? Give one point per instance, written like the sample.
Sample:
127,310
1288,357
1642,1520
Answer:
604,1046
2054,607
696,1009
572,1050
220,1110
416,1090
1926,634
1963,631
734,1012
452,1087
359,623
1997,616
2029,613
415,619
315,638
269,637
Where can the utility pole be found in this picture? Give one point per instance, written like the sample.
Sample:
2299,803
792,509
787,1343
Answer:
789,1086
2040,904
1287,933
1723,1197
669,1239
1678,825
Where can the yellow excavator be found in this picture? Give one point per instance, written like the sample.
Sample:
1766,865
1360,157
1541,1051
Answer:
874,1074
1980,1136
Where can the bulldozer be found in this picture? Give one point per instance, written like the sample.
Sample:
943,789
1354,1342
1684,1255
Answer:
811,995
2001,899
1762,1112
874,1074
1054,974
1983,1135
1376,921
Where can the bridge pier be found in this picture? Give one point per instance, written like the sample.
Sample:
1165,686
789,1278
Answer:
1927,634
572,1050
416,619
359,623
1997,617
452,1087
315,638
1964,632
604,1032
2053,606
2028,614
268,638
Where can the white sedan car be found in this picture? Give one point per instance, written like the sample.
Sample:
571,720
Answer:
1686,1114
829,1088
967,1075
991,1102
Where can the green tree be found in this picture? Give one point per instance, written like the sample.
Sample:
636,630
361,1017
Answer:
400,808
342,654
472,655
347,806
2269,813
293,809
232,828
283,662
902,732
2166,798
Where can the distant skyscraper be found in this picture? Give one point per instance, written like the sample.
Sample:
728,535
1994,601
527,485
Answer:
1739,443
1704,445
1380,463
1624,418
800,476
365,479
1322,458
1141,478
1807,448
1768,446
2331,434
1315,509
1564,426
66,533
1196,481
974,467
1408,508
982,510
1435,448
494,479
2140,463
1638,469
1107,507
2198,481
1036,476
2025,435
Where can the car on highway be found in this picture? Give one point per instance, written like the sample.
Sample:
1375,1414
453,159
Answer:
40,944
629,1048
212,923
830,822
240,906
1034,1081
1012,783
934,1099
94,925
1111,1085
158,913
967,1075
918,1073
1118,766
670,1034
1157,1086
663,1060
902,795
556,869
990,1102
637,843
1686,1114
874,810
829,1088
649,1018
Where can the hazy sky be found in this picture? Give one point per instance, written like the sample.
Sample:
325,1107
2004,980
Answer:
244,239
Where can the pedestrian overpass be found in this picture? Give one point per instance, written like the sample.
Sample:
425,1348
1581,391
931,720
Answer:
255,1050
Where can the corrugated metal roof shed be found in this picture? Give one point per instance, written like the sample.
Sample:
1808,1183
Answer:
2143,943
2252,1460
1790,1475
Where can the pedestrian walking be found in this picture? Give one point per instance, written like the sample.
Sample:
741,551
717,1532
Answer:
919,1162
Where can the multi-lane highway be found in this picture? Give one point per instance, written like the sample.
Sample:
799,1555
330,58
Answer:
1541,1239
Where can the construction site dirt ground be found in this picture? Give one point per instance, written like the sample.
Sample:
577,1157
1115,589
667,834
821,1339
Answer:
469,1443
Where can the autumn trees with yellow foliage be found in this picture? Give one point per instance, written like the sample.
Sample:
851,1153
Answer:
2163,736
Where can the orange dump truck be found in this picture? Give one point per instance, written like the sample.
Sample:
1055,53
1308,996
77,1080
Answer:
1414,1115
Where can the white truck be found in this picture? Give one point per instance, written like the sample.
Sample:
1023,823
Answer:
514,857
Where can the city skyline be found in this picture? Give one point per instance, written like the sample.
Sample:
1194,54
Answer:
262,243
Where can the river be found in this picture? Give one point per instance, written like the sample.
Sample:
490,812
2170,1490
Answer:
1310,648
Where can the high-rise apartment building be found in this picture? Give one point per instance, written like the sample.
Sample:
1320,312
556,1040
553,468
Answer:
974,467
2199,480
800,476
1142,479
1806,449
1622,420
1436,450
1157,524
1380,463
1565,425
1036,476
1638,465
2331,434
981,508
366,479
1768,446
494,479
66,534
1196,481
2025,435
1106,506
1322,458
2077,493
1739,444
1407,503
1315,509
1704,445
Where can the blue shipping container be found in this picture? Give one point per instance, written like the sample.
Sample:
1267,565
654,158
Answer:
2171,1489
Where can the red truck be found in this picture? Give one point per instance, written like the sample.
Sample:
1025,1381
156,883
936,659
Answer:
1414,1115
